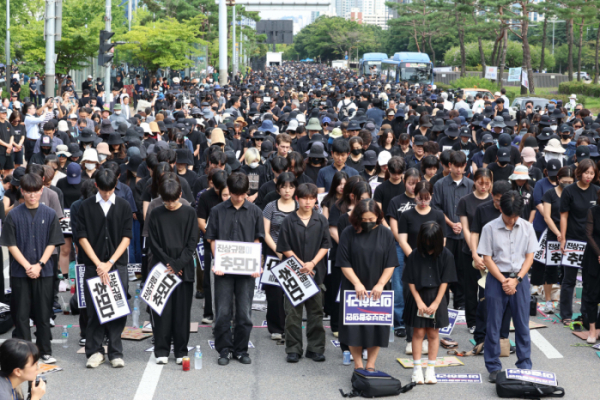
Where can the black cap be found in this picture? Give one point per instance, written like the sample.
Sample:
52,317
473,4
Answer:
17,175
553,166
487,138
452,130
504,140
370,158
582,153
545,134
504,154
419,140
465,132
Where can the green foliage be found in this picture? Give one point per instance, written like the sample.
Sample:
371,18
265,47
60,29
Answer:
514,55
474,82
579,88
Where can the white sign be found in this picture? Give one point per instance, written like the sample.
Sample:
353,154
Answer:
573,255
540,255
238,258
109,300
297,286
491,73
4,308
553,254
65,223
525,79
159,287
79,282
267,277
529,375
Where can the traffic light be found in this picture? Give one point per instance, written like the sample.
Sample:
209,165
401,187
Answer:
106,51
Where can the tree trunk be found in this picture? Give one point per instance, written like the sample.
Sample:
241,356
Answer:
432,51
503,58
494,51
416,38
579,52
526,49
570,46
596,56
481,54
463,56
543,45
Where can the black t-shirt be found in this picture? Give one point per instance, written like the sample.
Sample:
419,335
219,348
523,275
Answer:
468,148
527,196
485,213
410,223
551,197
467,206
357,165
385,192
206,202
6,132
501,174
70,192
577,202
313,172
447,143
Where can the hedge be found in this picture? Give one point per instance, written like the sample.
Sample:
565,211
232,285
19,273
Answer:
579,88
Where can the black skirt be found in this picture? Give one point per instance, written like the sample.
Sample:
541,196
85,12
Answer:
428,296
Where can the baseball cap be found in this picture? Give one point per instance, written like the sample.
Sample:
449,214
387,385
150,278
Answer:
383,157
528,154
73,173
504,154
582,153
553,166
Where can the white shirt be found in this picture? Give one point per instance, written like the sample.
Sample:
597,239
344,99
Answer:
506,102
105,204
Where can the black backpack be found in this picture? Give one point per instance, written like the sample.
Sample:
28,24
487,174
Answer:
516,389
375,384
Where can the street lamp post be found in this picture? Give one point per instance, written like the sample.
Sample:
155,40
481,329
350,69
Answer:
7,47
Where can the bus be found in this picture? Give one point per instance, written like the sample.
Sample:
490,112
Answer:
370,64
408,67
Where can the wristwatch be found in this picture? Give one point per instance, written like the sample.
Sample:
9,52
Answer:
515,276
112,262
42,264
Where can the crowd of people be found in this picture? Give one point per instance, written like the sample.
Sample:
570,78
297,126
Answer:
370,185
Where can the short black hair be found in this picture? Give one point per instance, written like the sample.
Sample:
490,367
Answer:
36,169
340,145
238,183
114,167
106,180
307,191
31,182
458,158
218,177
88,189
445,157
511,203
217,157
286,177
396,165
429,162
501,187
167,155
431,237
15,353
49,126
151,161
279,164
169,190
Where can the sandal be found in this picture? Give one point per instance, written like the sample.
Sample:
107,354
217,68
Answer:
576,326
566,322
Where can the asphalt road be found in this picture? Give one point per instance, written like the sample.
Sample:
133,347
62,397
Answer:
270,377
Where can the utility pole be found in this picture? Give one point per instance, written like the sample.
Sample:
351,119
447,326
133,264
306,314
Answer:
222,42
7,48
107,19
50,56
233,50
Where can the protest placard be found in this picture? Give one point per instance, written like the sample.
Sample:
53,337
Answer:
458,378
540,255
134,268
4,308
368,311
238,258
530,375
452,317
514,74
491,73
573,255
267,277
200,252
159,287
65,223
553,254
298,287
109,300
79,282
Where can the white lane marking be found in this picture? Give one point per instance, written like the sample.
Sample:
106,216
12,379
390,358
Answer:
544,345
149,381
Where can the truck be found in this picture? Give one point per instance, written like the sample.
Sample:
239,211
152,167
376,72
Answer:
274,59
339,64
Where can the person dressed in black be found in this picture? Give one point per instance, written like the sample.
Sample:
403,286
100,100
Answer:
104,230
428,272
368,272
173,234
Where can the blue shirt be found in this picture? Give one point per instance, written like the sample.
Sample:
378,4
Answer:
326,175
539,225
377,114
123,191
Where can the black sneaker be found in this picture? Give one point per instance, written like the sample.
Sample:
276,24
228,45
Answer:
224,358
400,332
318,357
199,295
243,358
82,342
513,349
493,376
293,357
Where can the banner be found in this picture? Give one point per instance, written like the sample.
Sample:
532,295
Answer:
79,282
491,73
514,74
238,258
298,287
65,223
553,254
529,375
267,277
540,255
525,79
110,301
452,317
458,378
573,255
134,268
159,287
368,311
200,252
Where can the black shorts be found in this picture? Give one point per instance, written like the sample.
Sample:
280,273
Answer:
6,162
17,158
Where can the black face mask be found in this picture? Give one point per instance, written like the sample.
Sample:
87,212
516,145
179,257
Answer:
356,151
369,167
502,164
45,150
367,226
565,137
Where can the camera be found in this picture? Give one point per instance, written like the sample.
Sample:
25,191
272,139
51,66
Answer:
37,381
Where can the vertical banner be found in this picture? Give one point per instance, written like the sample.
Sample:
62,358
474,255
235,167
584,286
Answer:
369,311
491,73
298,287
79,282
159,287
109,300
525,78
238,258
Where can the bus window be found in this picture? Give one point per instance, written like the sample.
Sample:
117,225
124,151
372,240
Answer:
416,73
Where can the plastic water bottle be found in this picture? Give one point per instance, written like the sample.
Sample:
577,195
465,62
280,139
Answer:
198,358
138,289
136,302
346,358
391,334
65,335
136,317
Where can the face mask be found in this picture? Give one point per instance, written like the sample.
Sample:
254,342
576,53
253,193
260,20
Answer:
563,185
90,166
356,152
215,108
502,164
553,127
118,112
553,156
102,157
369,167
578,131
45,150
367,226
565,137
253,165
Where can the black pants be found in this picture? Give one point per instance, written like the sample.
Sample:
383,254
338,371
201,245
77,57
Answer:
95,331
83,321
56,282
471,288
32,296
480,324
208,306
174,322
29,145
275,309
457,288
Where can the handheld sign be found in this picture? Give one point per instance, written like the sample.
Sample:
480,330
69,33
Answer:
553,254
159,287
452,317
298,287
267,277
79,282
573,255
238,258
540,255
200,252
369,311
65,223
529,375
109,300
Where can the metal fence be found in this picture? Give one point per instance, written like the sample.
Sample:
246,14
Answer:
539,80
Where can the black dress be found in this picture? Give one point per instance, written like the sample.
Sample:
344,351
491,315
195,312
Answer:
427,274
590,266
368,254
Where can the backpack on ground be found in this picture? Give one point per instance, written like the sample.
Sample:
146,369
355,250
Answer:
517,389
375,384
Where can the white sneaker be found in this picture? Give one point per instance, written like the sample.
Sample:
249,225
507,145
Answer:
425,348
207,320
417,376
365,355
30,323
117,363
472,330
95,360
52,323
276,336
179,361
549,307
162,360
430,378
408,348
48,359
